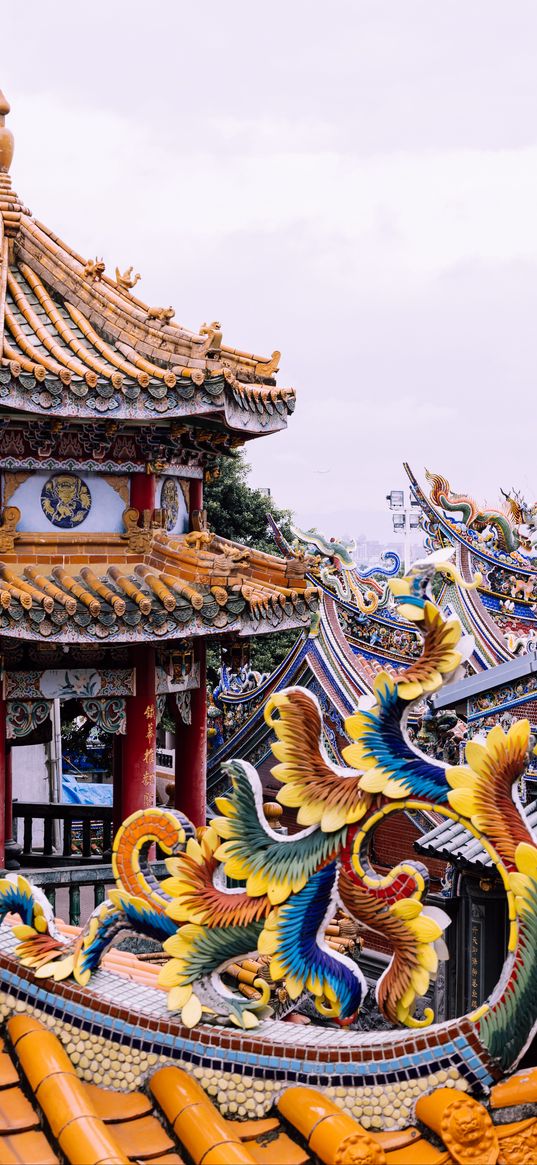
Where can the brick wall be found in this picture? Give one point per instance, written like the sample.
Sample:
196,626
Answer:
393,842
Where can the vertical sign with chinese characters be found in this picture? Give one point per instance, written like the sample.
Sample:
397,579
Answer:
476,985
148,778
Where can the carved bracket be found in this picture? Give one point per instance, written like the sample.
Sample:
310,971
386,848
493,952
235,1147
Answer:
138,537
109,715
24,716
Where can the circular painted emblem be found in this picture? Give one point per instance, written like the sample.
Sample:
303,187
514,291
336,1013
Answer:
169,502
65,500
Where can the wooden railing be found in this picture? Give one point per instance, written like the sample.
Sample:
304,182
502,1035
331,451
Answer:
75,891
70,833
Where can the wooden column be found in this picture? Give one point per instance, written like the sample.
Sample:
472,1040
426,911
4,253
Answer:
117,778
139,745
191,751
11,849
195,494
9,791
3,752
142,492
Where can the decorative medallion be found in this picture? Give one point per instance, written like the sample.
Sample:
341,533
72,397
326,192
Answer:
169,502
65,500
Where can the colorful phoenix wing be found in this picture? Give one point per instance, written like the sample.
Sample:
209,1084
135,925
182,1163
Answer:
324,794
194,896
482,791
46,952
292,936
252,852
439,657
415,934
394,768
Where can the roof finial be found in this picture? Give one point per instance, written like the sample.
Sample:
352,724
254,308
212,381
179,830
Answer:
7,142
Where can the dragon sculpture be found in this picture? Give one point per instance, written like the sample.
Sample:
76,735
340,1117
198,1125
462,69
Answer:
333,564
511,531
287,889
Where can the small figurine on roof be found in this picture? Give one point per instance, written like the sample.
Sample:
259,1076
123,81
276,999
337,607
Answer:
213,332
94,269
127,281
161,315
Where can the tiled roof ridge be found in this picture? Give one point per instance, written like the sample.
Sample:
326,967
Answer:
143,579
126,319
98,330
46,1108
57,322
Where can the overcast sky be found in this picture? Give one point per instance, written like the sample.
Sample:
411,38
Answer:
354,183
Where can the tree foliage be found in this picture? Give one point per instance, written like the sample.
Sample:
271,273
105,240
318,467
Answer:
240,513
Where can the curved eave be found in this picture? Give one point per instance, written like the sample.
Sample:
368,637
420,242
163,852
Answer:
156,629
169,588
78,344
216,398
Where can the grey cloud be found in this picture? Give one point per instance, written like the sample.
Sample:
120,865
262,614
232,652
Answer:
350,183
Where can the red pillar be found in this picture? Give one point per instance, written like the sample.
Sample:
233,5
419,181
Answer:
191,751
195,494
3,751
8,834
142,493
139,746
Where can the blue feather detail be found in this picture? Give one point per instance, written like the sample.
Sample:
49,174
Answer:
129,914
384,742
111,922
16,900
299,921
140,916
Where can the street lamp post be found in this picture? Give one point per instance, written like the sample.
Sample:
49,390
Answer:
404,518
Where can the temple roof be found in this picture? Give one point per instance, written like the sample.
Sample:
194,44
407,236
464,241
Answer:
47,1111
505,537
453,843
146,585
77,342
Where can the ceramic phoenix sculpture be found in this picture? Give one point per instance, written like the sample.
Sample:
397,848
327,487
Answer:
286,889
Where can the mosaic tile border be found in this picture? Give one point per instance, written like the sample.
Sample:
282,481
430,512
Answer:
280,1052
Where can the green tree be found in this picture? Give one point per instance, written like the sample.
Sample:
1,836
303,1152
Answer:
240,513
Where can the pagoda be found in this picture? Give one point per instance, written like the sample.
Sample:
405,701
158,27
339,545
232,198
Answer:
112,415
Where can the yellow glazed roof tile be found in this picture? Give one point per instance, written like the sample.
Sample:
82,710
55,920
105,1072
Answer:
27,1149
147,581
174,1121
64,318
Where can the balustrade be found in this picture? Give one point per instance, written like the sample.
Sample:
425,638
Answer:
84,833
75,891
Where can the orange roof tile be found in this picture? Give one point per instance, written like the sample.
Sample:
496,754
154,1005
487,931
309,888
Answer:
161,586
76,341
174,1121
